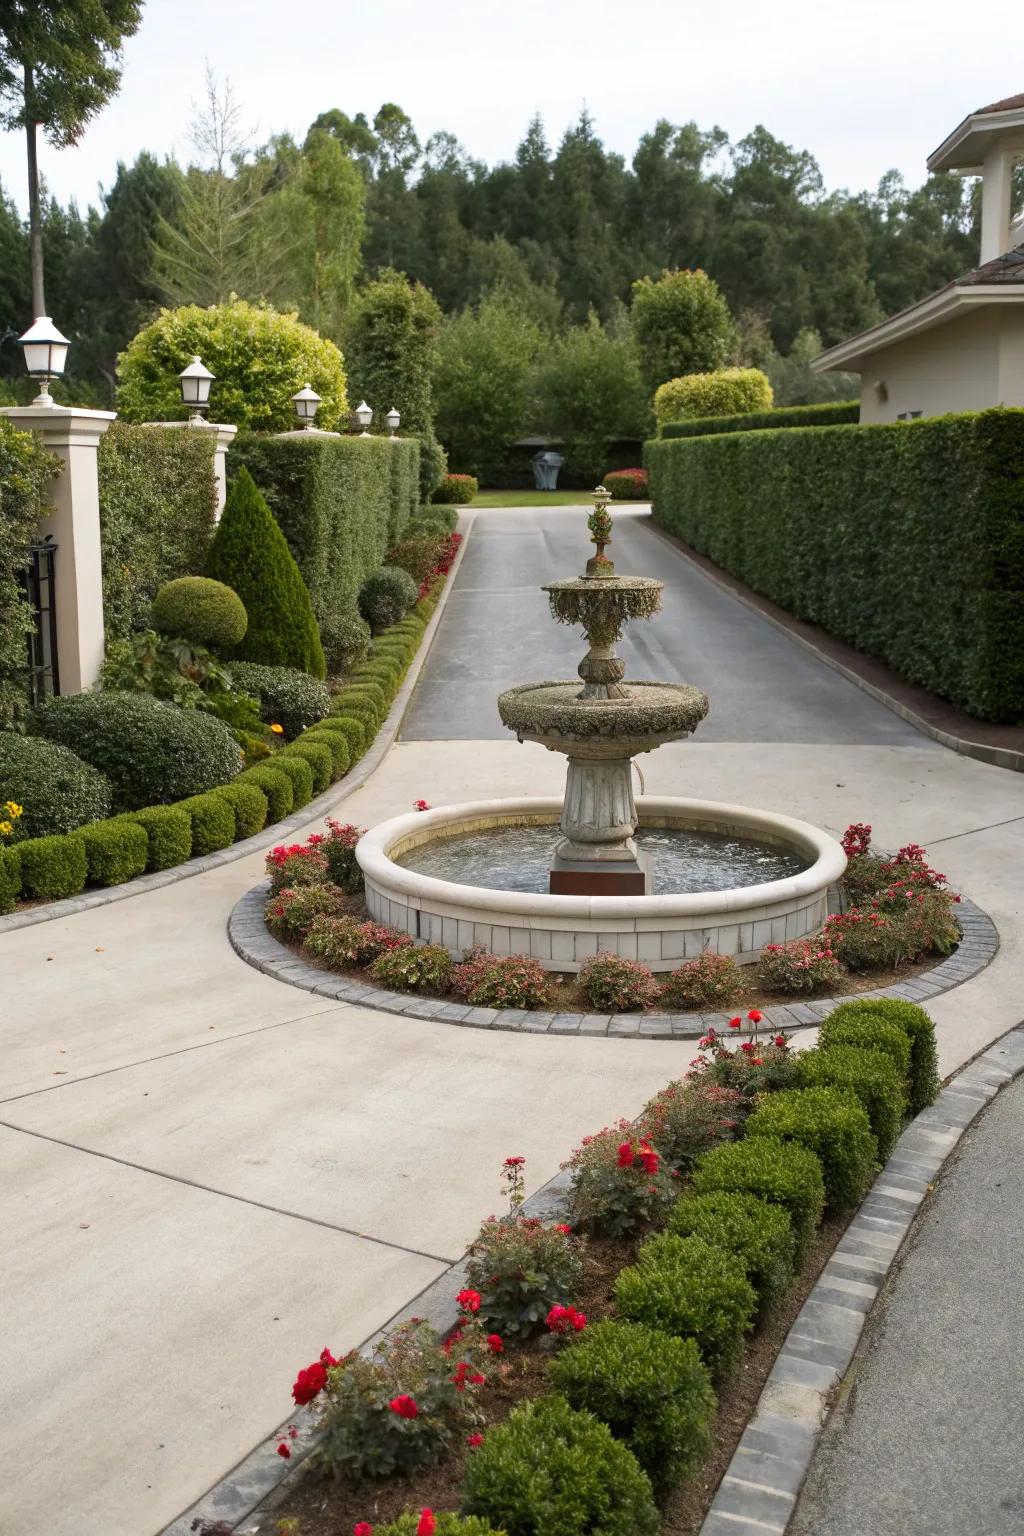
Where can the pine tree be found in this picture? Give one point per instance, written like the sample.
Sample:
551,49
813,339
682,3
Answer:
250,554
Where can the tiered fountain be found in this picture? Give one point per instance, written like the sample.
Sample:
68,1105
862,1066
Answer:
659,881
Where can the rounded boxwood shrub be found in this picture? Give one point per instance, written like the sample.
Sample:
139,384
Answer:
552,1470
52,867
55,788
336,743
151,752
301,775
871,1075
691,1289
457,490
365,691
249,804
345,639
213,822
10,878
778,1171
201,610
869,1035
288,698
385,670
833,1124
385,596
277,787
725,392
168,835
916,1024
115,851
758,1233
414,968
653,1391
365,711
445,517
318,755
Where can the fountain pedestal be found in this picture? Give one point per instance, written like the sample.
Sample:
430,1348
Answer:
597,855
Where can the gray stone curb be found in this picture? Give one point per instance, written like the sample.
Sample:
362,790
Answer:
253,942
323,805
758,1494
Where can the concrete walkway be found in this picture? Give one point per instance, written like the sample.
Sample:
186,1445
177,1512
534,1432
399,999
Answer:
925,1439
211,1175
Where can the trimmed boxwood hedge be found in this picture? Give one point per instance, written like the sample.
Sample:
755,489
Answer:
249,804
213,822
115,851
168,834
319,757
833,1124
778,1171
10,878
301,775
277,787
336,743
861,529
918,1025
52,867
757,1232
833,413
871,1075
693,1290
870,1035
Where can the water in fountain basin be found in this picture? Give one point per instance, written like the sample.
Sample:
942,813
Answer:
519,858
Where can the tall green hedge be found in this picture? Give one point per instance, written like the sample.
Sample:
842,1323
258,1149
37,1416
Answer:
157,501
339,501
835,413
905,539
25,473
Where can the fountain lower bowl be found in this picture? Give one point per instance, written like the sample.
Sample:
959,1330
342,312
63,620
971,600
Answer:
563,931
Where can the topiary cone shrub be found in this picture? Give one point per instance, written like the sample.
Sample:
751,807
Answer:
249,553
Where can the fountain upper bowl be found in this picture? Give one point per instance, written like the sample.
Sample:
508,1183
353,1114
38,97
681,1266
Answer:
651,714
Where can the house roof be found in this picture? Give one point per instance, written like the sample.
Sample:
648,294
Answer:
999,281
965,148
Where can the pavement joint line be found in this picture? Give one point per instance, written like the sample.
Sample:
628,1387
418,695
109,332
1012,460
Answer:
973,831
225,1194
182,1050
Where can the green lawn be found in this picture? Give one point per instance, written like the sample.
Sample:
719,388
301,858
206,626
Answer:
532,499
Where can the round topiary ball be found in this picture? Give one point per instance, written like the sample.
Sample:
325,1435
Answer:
386,596
56,790
201,610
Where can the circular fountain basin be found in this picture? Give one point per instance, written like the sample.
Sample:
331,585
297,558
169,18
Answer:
561,932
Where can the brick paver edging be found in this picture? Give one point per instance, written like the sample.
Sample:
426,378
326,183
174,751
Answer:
323,805
758,1493
253,941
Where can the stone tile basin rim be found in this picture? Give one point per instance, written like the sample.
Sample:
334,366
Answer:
374,849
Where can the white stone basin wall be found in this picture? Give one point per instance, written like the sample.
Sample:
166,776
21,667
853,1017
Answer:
562,931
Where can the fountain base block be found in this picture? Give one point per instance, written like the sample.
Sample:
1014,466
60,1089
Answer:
628,876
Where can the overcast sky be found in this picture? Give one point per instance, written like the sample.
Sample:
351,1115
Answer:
865,87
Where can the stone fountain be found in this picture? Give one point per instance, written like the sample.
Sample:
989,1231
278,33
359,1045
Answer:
602,726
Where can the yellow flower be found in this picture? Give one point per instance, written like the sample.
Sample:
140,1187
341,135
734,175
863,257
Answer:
278,730
5,829
13,809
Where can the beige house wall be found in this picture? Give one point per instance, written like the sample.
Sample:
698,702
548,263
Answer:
968,364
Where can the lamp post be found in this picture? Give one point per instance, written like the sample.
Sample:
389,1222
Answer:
306,402
393,419
364,415
45,351
195,381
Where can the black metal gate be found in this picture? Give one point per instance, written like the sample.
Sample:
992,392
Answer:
39,582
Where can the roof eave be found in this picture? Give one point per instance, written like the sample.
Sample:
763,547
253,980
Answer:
935,310
958,153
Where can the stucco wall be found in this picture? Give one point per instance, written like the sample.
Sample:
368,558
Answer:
971,363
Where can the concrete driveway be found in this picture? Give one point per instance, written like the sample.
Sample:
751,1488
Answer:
211,1175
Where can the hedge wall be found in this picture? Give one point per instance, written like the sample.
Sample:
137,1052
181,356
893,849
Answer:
157,503
904,539
834,414
25,474
339,501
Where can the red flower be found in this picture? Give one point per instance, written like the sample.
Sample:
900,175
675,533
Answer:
626,1155
779,1040
284,1450
404,1405
420,805
469,1301
560,1319
563,1227
735,1023
755,1015
578,1320
451,1341
648,1158
327,1359
495,1344
427,1525
309,1383
747,1045
362,1528
514,1162
758,1061
474,1440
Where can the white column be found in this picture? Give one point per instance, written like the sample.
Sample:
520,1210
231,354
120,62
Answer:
74,525
225,437
997,200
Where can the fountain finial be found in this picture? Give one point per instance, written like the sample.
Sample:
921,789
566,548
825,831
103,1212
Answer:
600,524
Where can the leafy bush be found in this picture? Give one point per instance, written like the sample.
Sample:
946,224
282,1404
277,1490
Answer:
831,1123
555,1470
958,482
915,1023
457,490
346,641
414,968
433,464
767,1068
521,1269
385,596
627,484
829,414
869,1034
296,864
277,787
151,752
726,392
55,788
871,1075
619,1185
26,470
391,336
345,941
803,965
213,822
115,851
864,940
613,984
502,981
201,610
168,835
288,697
10,878
158,494
759,1234
686,1118
249,804
301,775
291,912
693,1290
443,517
778,1171
171,669
652,1391
709,981
52,867
681,324
259,359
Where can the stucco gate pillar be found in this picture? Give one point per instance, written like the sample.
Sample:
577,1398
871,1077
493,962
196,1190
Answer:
74,525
